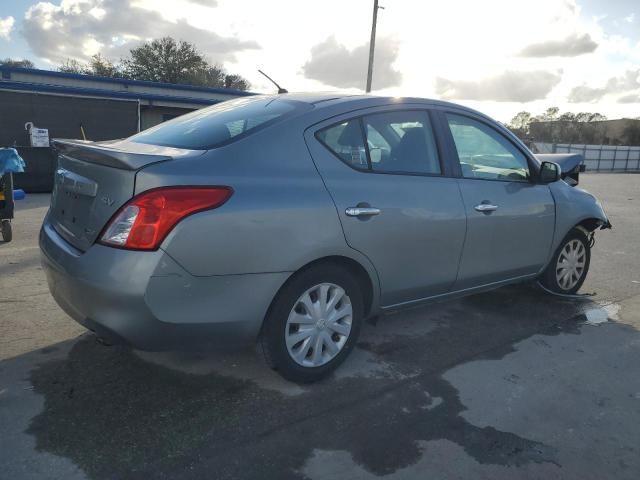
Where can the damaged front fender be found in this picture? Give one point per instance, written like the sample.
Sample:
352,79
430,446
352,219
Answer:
576,207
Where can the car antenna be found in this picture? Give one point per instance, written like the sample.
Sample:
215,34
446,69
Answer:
280,89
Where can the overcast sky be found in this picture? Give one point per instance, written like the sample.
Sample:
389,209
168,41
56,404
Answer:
499,56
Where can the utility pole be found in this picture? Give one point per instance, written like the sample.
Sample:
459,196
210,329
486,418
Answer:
372,44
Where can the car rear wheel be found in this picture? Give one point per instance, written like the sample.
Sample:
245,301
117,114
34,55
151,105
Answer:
313,323
568,268
5,229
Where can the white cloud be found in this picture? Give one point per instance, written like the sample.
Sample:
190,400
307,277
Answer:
470,47
333,64
205,3
629,81
586,94
78,28
6,25
510,86
631,98
570,46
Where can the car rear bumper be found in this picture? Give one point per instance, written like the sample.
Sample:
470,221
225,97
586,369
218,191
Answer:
147,300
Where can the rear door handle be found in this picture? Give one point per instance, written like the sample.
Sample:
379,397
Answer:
485,207
362,211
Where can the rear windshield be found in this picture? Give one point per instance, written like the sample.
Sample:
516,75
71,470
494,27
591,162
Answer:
219,124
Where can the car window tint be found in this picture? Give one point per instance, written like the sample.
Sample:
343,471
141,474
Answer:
376,140
402,142
218,124
484,153
346,141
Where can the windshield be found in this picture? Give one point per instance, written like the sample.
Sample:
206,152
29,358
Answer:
216,125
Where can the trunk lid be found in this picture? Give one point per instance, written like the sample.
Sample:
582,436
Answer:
93,180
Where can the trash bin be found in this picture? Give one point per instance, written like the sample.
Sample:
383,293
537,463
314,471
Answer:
39,171
10,162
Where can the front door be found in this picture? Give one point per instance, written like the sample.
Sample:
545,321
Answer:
396,203
510,219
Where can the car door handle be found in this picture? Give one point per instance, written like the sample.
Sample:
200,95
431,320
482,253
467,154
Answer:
362,211
485,207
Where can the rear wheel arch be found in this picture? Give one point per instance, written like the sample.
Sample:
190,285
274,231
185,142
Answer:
352,266
342,272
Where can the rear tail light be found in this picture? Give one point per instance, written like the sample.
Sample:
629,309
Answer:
145,221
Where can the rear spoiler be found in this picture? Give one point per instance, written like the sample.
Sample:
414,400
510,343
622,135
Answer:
134,157
571,165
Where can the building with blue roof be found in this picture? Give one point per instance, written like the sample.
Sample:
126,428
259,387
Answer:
97,108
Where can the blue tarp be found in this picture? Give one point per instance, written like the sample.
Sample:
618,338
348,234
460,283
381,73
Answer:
10,161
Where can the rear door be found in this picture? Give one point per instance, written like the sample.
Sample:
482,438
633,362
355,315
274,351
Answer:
397,202
510,218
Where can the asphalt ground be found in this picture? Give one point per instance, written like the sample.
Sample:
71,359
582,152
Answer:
513,383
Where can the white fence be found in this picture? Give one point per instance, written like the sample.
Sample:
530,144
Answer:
598,158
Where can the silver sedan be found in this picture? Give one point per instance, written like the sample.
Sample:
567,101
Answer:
287,220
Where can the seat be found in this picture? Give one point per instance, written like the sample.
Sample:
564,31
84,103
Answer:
353,147
409,154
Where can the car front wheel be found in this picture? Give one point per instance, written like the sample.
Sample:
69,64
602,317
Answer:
313,323
568,268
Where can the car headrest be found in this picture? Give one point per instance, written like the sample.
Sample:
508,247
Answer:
351,136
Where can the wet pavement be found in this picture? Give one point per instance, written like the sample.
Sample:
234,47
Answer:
508,384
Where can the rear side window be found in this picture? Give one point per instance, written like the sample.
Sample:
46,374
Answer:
391,142
216,125
345,140
402,142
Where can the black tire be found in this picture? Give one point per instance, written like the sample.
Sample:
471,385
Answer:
272,339
7,232
549,278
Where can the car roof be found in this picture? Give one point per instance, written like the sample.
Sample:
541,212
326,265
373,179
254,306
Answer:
336,103
316,97
330,99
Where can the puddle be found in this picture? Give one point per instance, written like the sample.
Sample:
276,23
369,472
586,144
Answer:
440,459
167,414
602,314
242,366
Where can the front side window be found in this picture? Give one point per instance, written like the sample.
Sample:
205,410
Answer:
484,153
402,142
212,126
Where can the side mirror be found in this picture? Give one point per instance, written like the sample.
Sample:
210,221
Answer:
549,172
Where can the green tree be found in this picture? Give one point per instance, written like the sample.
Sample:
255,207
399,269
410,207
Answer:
9,62
162,60
520,122
165,60
567,117
211,75
98,65
549,115
589,117
631,135
237,82
71,65
171,61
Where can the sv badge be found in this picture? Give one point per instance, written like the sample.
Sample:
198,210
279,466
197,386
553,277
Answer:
108,201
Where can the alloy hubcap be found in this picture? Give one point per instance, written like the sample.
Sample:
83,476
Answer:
319,325
571,263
